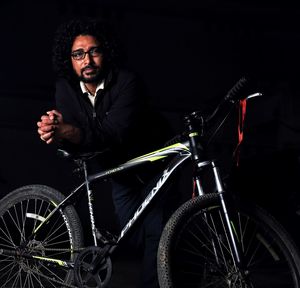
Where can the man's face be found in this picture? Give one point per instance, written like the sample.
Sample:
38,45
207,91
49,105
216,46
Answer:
87,58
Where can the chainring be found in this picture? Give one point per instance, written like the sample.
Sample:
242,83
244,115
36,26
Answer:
92,268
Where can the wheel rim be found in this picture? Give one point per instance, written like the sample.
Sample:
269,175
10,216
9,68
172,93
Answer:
196,261
17,223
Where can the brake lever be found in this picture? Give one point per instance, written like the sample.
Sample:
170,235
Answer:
254,95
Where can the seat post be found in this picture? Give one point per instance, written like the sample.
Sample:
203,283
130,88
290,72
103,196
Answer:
90,201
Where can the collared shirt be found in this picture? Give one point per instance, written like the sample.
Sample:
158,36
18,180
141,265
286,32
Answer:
91,96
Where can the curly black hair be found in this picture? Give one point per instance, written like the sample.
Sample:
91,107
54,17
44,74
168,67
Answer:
68,31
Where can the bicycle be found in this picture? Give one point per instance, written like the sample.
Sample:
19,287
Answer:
212,240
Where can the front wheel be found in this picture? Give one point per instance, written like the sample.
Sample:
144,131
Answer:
34,250
194,249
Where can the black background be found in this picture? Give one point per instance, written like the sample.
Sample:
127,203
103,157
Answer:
189,54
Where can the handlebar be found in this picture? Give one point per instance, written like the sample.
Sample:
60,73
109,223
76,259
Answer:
233,97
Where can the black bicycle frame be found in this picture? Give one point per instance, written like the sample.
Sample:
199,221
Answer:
180,151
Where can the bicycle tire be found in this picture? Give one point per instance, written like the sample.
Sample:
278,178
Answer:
21,211
186,257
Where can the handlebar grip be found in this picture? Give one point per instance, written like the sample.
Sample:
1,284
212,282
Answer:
232,95
233,92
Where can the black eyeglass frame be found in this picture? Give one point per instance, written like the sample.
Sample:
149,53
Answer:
80,54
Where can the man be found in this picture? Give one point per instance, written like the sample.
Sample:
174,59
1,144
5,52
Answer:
97,104
99,107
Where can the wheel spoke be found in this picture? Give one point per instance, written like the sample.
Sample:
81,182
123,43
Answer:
21,212
196,251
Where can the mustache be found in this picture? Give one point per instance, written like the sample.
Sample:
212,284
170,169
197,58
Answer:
88,67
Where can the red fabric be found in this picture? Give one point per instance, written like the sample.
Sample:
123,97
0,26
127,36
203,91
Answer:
194,189
242,115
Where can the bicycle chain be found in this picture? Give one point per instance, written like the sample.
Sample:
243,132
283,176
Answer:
58,249
51,280
44,276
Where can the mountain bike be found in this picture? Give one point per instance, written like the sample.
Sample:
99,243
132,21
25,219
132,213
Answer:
212,240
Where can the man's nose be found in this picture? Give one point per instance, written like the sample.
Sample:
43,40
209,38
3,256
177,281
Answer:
88,58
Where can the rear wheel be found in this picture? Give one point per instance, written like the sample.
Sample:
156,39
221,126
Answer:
194,250
21,213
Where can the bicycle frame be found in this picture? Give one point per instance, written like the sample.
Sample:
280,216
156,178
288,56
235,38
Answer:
181,153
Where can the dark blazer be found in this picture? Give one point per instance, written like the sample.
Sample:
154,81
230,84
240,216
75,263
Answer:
113,121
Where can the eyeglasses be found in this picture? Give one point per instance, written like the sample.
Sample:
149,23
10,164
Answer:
80,53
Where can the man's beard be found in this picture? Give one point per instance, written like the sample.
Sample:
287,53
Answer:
95,77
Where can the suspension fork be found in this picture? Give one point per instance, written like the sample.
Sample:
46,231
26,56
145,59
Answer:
198,156
199,191
232,239
220,190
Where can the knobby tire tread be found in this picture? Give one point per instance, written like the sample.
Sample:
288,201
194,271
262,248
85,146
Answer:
192,206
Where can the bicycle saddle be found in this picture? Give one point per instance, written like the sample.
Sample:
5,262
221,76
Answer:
80,155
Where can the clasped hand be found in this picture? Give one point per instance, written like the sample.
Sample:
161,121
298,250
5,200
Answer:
48,125
52,128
